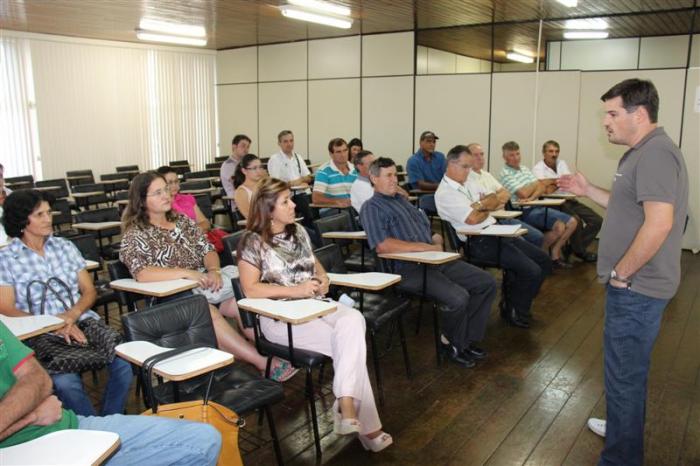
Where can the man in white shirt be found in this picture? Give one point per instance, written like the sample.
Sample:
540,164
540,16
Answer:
239,147
589,222
466,205
361,189
289,166
491,185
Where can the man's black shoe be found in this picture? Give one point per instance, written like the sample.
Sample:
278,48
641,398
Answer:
452,353
588,256
515,320
474,352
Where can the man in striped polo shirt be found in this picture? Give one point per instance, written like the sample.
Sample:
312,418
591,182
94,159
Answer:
524,186
335,177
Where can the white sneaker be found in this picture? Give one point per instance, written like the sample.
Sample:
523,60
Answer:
597,426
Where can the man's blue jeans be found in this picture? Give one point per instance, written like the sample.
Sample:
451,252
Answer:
70,390
632,322
152,440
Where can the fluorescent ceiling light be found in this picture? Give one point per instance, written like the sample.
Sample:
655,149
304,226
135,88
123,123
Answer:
296,13
589,24
324,7
172,28
569,3
519,57
153,37
585,34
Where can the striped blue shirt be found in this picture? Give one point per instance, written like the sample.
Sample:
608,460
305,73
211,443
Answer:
20,265
513,179
385,217
331,182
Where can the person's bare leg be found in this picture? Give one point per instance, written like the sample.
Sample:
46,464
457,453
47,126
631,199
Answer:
229,308
233,342
551,237
347,407
567,231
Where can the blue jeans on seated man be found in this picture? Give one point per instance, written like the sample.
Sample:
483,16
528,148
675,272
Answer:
156,440
70,390
632,322
533,236
536,217
526,266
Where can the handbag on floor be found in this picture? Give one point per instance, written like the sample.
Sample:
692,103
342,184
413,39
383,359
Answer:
59,357
220,417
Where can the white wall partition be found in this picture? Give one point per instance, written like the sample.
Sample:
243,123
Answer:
282,62
387,116
454,108
334,111
334,58
283,105
238,114
387,54
690,145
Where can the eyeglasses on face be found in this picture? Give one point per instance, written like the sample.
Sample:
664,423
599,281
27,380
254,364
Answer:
160,192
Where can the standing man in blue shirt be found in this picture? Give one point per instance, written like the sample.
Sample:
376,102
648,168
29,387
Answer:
427,166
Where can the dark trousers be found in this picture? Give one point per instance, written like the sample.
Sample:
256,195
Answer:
533,236
303,209
589,224
526,267
465,293
632,322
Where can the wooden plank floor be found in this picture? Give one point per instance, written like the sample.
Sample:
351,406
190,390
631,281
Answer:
526,404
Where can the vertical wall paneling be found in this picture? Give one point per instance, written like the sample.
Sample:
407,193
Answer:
238,114
511,116
453,108
388,54
282,62
334,111
387,116
691,151
237,66
334,58
282,106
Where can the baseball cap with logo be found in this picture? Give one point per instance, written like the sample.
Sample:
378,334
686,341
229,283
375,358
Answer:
428,135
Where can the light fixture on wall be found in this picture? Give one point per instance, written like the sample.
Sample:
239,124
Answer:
569,3
519,57
154,30
586,34
316,11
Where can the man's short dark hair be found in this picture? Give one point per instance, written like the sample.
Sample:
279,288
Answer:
361,155
510,146
240,137
454,153
636,92
284,133
165,169
17,208
381,162
551,142
335,142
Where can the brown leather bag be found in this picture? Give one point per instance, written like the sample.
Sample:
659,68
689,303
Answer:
223,419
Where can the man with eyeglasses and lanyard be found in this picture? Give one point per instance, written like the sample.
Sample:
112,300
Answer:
289,166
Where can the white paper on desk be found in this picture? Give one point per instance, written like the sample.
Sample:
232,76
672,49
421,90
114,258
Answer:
500,230
23,325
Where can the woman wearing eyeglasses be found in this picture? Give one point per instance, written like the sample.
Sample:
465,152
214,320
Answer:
245,180
160,244
184,204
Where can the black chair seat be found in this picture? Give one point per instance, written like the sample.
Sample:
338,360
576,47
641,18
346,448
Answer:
233,387
380,309
354,262
301,357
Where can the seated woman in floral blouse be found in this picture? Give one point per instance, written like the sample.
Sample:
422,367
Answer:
276,261
159,244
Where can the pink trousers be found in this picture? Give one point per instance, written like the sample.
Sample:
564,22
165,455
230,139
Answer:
340,335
